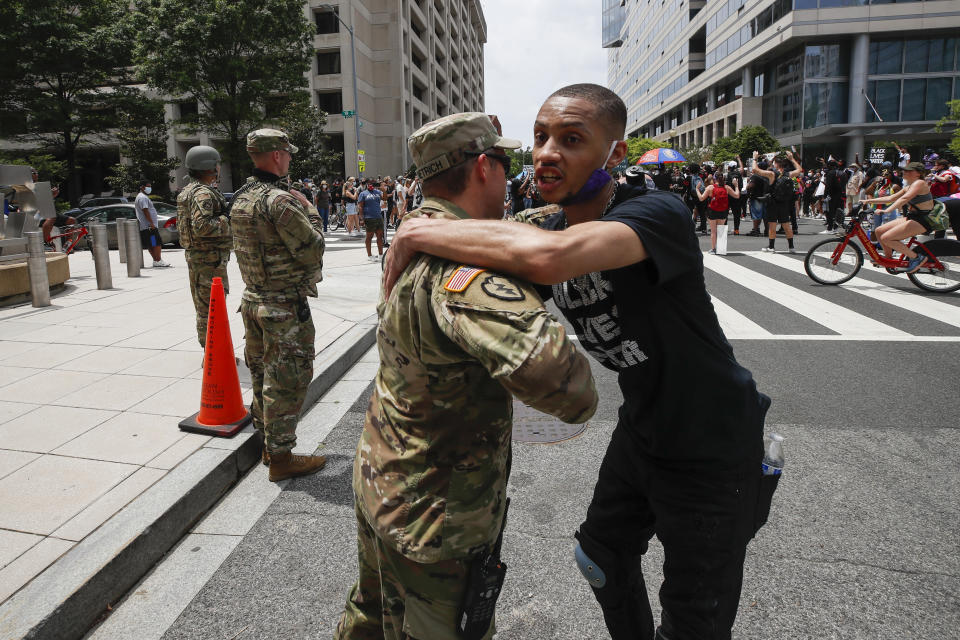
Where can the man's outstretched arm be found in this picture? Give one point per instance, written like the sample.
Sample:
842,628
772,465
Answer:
544,257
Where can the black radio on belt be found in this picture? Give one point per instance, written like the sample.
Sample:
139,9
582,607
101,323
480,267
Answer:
303,310
484,582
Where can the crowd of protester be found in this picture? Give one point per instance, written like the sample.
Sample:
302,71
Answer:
340,196
826,191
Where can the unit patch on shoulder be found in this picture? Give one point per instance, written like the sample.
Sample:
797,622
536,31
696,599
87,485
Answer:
502,289
462,278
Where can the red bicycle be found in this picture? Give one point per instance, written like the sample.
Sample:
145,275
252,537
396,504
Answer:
837,260
69,236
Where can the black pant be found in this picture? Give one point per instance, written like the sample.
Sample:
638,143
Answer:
704,521
737,206
702,215
829,207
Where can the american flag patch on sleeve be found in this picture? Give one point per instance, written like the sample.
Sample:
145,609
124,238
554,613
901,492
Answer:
462,278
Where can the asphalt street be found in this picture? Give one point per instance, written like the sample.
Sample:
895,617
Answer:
863,537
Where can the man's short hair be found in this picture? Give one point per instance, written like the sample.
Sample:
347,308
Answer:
610,109
144,182
451,182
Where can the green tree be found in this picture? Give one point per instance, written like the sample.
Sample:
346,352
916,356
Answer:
236,58
698,155
743,143
519,158
62,58
636,147
304,124
952,117
142,134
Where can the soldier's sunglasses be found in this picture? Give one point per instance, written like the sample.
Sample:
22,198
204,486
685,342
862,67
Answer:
499,157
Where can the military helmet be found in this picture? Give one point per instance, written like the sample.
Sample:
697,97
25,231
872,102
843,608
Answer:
202,158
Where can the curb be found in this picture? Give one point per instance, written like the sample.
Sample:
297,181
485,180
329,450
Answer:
65,600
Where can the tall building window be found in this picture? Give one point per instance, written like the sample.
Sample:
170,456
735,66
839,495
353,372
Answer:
188,110
824,103
613,17
905,96
886,56
825,61
885,96
327,22
925,99
330,101
922,56
328,63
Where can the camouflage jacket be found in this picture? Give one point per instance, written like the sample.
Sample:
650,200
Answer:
537,216
201,218
277,241
455,343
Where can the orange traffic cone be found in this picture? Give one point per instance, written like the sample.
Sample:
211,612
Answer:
221,406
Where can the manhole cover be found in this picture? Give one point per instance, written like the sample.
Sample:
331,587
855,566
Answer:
530,425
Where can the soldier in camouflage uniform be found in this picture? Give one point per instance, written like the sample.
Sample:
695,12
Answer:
279,245
204,230
455,344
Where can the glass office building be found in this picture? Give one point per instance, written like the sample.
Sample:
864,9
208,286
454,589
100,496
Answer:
831,76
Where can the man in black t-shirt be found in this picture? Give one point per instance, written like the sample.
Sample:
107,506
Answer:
625,268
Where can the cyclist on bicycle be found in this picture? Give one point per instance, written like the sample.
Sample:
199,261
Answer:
923,216
59,220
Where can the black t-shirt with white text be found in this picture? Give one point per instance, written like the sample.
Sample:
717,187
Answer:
686,399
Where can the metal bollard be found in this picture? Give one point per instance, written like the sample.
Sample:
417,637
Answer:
37,268
101,256
136,234
122,239
132,233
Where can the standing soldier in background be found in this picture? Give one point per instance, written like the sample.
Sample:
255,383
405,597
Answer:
279,245
204,230
430,475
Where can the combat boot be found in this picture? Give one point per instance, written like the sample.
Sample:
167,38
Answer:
289,465
265,457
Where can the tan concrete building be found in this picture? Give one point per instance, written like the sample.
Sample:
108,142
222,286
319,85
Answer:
416,60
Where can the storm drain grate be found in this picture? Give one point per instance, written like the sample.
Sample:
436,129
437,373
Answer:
530,425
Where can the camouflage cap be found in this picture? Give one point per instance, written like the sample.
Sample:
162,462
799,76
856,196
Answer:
447,142
262,140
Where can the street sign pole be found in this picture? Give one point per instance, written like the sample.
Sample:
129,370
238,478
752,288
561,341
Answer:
356,102
353,61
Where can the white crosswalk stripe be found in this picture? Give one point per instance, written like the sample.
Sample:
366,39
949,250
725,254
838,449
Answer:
941,311
735,324
834,317
745,316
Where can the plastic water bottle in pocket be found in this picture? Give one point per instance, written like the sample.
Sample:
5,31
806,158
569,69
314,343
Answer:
772,454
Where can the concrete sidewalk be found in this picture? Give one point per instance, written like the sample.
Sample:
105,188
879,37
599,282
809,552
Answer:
96,480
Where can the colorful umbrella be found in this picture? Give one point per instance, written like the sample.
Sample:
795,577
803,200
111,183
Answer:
661,156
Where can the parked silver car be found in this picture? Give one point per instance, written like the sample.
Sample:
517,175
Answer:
166,220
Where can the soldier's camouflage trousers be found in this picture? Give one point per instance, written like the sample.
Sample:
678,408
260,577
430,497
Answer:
202,267
279,352
396,598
